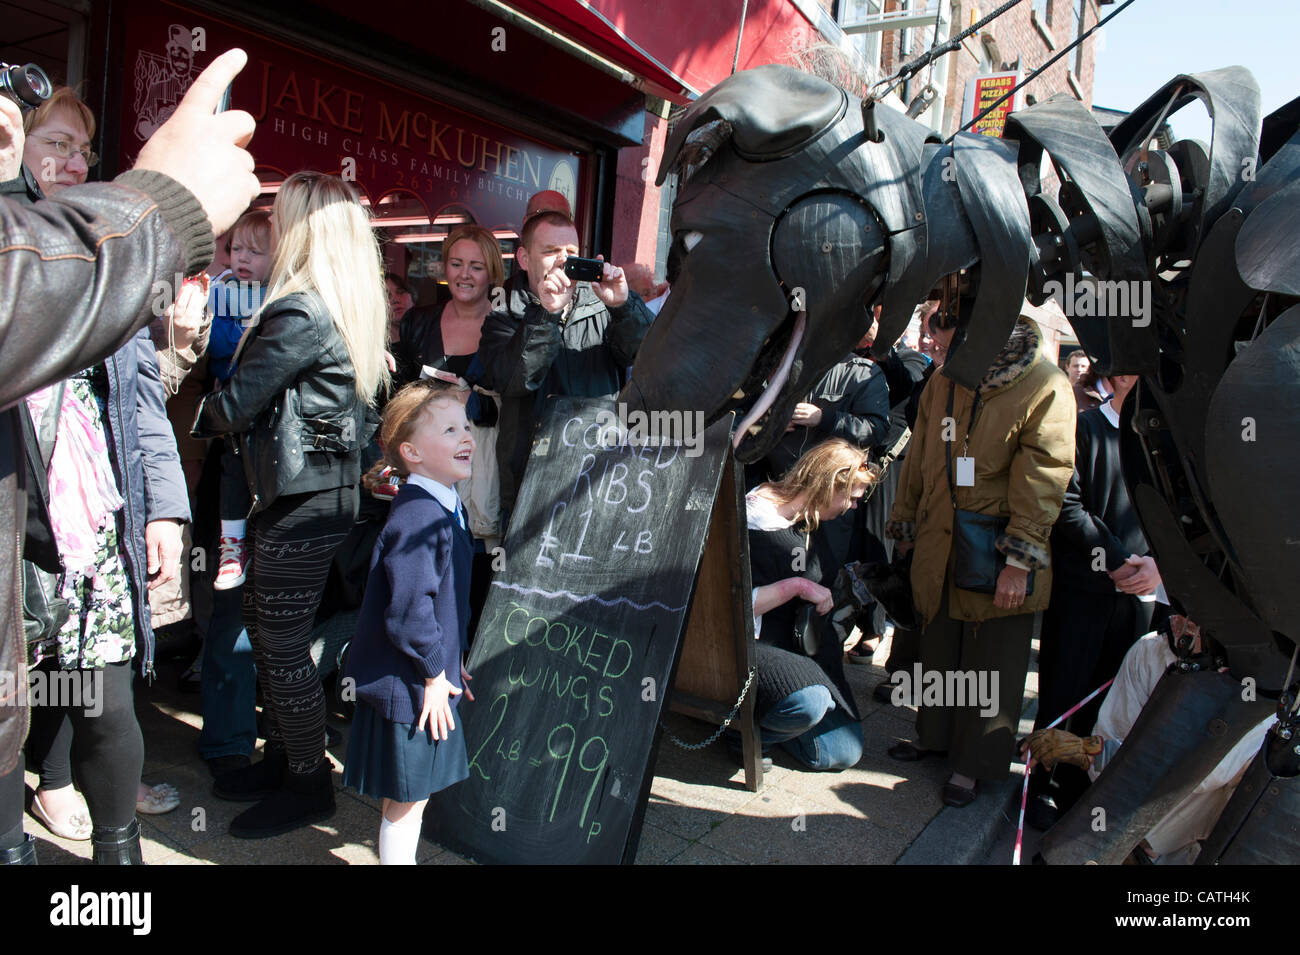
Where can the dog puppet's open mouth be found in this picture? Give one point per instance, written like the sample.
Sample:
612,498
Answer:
757,380
763,424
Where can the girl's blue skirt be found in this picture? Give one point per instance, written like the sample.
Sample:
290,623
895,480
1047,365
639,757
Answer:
396,761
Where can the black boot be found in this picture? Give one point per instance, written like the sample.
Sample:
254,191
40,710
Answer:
256,781
305,799
22,854
117,846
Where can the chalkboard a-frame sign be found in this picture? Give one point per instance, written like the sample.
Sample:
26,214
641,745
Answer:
578,642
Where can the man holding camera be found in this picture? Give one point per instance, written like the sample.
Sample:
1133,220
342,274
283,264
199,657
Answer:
558,335
96,250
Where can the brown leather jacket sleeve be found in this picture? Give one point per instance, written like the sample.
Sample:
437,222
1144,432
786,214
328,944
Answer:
78,274
82,271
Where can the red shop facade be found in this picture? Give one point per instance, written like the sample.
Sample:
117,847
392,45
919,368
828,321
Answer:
421,110
440,111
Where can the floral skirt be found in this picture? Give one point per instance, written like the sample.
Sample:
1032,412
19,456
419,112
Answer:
101,621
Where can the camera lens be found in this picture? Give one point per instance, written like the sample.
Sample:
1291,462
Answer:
28,84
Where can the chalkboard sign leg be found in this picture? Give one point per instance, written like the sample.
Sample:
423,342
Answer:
753,746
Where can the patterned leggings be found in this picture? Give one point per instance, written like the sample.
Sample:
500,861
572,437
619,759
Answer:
293,543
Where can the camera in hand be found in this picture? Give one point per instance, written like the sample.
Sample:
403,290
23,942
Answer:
584,270
28,86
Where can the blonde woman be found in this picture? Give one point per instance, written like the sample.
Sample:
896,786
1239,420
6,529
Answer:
307,372
803,701
448,334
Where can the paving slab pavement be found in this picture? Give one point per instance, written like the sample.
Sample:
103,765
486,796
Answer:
877,813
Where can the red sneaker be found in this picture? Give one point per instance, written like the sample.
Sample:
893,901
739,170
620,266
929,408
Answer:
233,566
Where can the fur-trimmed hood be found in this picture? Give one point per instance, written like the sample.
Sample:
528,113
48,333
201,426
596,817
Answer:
1016,358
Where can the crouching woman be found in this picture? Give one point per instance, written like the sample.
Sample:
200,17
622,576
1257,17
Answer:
804,703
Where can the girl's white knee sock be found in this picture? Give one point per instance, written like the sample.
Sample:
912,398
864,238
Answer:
398,841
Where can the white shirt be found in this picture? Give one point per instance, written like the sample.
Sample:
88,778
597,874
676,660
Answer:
1110,412
656,303
761,514
446,496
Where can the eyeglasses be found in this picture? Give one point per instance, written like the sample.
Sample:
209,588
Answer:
65,149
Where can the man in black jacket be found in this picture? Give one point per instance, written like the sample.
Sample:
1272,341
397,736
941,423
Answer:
96,252
1103,587
556,337
851,401
903,370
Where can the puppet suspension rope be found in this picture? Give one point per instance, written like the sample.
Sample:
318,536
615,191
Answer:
1011,92
1024,792
908,70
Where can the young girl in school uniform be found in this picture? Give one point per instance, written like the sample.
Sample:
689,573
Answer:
406,657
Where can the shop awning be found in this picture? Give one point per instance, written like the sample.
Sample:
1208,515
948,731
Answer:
591,29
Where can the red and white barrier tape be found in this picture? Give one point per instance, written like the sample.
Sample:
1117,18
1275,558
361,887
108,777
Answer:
1024,792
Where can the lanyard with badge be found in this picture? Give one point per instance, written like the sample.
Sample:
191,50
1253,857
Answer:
965,464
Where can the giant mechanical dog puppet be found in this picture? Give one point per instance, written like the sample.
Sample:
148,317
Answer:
799,209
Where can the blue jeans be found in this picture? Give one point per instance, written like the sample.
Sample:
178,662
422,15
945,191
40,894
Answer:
811,728
228,682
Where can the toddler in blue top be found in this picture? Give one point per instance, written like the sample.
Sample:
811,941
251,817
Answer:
407,656
235,301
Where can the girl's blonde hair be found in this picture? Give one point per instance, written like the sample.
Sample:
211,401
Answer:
487,244
325,245
823,472
403,412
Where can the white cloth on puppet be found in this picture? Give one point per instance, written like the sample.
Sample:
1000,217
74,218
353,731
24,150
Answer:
1175,837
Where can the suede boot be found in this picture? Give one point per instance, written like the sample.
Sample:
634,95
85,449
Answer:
117,846
305,799
256,781
22,854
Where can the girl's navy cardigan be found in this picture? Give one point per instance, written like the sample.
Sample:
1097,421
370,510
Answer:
415,614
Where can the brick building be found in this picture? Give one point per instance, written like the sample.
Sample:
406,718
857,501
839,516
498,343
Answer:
889,33
892,32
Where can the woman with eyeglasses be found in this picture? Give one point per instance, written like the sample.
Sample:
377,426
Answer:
308,371
803,701
110,511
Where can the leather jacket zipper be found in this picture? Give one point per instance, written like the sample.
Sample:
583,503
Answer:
20,664
115,410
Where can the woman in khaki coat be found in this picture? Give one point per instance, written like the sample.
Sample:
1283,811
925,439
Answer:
1022,442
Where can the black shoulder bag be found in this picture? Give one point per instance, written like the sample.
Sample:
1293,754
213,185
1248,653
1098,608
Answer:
977,562
44,611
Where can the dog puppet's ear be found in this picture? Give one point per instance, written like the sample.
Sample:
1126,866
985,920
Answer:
769,112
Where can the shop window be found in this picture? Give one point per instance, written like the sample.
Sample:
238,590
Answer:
48,34
852,12
1080,26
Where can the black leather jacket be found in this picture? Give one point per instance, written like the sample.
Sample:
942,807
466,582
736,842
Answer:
291,403
529,354
78,275
854,400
